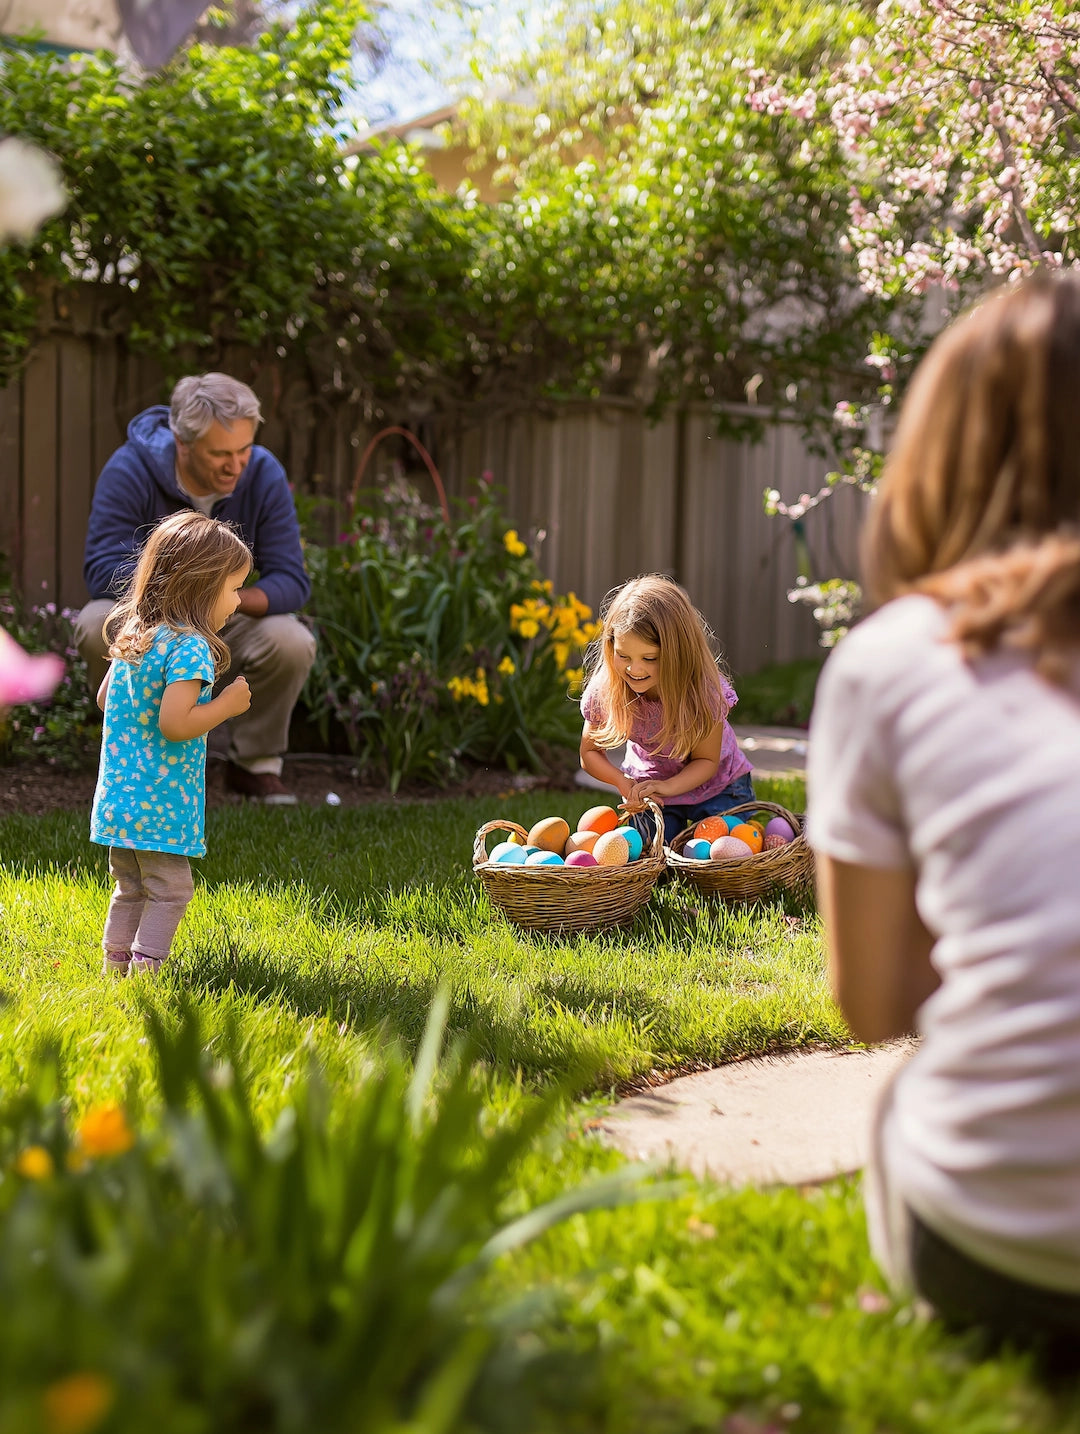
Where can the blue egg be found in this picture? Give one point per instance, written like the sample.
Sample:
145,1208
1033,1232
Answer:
697,849
544,858
529,850
634,841
508,852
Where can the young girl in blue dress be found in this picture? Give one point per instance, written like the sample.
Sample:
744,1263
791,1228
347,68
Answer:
158,705
655,685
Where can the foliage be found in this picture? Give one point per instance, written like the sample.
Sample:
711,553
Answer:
779,695
961,123
61,730
660,241
207,1274
440,642
709,233
176,183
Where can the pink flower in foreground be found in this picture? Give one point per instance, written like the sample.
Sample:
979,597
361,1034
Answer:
24,678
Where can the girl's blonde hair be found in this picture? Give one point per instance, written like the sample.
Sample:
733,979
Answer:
176,583
655,609
979,505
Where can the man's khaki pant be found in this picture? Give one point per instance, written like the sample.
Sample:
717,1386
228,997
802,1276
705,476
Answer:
274,654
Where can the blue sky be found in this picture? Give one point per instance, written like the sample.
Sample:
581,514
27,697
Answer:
428,57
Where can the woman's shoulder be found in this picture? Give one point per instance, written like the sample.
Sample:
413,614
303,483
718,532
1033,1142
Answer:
890,634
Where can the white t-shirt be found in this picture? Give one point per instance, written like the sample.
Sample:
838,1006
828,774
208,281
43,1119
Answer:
970,774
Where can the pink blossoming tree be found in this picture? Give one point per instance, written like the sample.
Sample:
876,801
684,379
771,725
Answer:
960,121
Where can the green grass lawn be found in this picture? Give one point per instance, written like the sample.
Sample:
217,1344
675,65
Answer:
327,933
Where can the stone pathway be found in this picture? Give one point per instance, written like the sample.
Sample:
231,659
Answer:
779,1120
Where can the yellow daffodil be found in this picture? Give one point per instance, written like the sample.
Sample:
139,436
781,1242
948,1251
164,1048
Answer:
507,667
513,544
105,1131
528,627
34,1163
78,1403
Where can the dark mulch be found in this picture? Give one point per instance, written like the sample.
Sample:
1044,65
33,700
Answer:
34,788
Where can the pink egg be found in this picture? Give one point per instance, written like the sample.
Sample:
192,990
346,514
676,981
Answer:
774,840
778,826
581,858
729,848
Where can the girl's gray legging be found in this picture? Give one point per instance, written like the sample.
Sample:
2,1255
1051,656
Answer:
152,892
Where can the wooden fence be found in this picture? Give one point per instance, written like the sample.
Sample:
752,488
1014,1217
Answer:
612,494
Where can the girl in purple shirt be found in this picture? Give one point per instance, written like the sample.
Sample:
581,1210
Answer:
655,685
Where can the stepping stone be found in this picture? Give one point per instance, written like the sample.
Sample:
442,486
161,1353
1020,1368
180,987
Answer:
777,1120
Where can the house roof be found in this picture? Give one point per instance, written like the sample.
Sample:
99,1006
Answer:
419,130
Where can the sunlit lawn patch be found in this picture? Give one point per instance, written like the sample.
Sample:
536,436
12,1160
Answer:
322,935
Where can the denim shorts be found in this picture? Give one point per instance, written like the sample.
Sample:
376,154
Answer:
676,818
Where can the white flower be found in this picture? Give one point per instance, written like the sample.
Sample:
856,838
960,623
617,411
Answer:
30,189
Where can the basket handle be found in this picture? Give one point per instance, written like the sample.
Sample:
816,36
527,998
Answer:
795,822
480,844
656,845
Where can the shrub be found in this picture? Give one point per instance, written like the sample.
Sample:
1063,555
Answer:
208,1275
441,641
61,730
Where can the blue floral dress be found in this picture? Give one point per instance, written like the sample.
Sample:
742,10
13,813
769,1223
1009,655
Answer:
151,793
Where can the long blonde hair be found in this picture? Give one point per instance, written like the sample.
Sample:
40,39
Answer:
176,583
979,505
655,609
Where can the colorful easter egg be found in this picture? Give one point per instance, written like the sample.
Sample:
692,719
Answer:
752,836
599,820
697,849
580,841
733,819
517,840
773,841
709,828
611,849
509,852
634,840
528,850
581,859
779,826
729,848
550,834
544,858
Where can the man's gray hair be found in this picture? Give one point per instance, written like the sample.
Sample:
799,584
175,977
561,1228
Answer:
208,398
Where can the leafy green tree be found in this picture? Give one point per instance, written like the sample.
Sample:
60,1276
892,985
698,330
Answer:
693,244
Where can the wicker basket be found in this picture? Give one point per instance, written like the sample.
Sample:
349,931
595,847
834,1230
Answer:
786,868
564,899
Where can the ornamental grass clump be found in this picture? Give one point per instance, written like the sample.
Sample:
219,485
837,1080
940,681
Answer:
203,1273
441,642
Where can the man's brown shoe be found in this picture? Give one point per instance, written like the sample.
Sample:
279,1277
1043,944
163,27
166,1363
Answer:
267,788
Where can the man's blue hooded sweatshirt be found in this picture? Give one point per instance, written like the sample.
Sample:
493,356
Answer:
138,487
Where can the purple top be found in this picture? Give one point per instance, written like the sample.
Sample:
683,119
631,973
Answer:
641,764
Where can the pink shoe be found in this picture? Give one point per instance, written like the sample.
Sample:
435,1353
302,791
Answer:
145,965
116,963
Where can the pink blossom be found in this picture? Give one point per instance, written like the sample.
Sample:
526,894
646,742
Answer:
24,678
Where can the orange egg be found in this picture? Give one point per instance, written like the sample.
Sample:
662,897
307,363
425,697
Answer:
611,849
709,828
751,835
580,841
599,819
550,834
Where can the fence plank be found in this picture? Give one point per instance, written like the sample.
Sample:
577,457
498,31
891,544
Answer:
39,476
75,476
10,480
